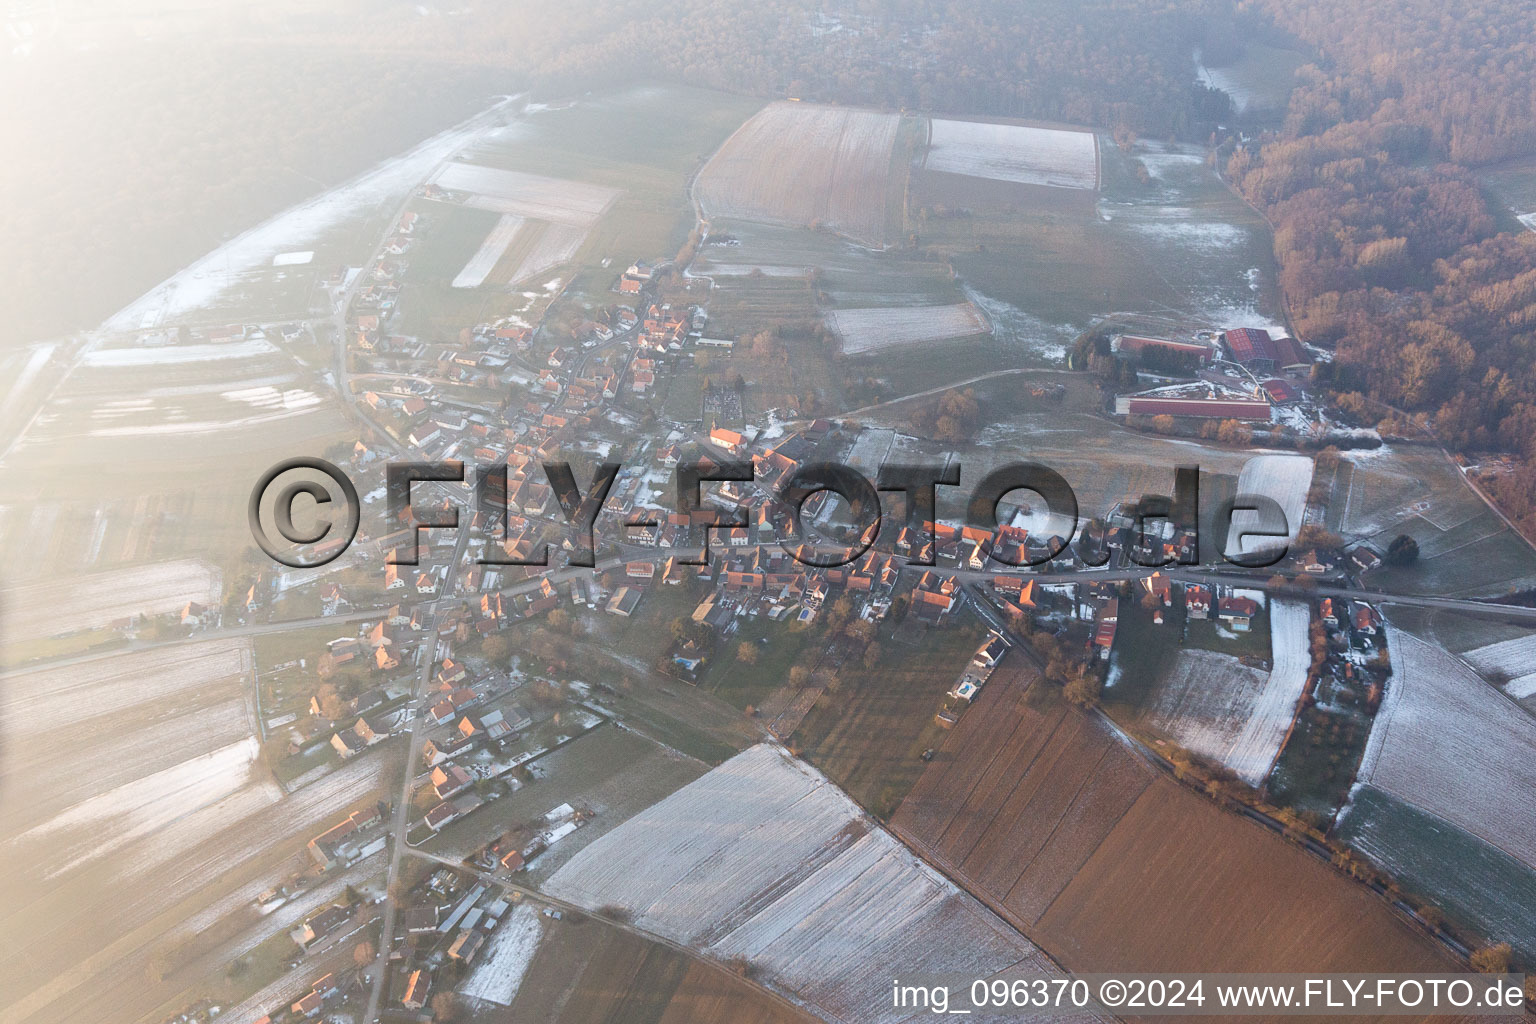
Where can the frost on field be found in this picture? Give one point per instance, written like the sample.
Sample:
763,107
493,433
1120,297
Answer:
1283,479
1010,152
527,195
1258,745
763,859
500,972
99,599
1515,660
869,330
557,245
484,260
799,163
1448,743
228,266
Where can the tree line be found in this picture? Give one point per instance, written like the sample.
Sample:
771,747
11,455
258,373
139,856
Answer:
1388,251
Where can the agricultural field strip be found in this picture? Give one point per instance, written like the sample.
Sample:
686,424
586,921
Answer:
485,258
176,390
499,974
873,329
531,196
794,164
558,244
205,849
1284,479
1018,153
174,355
1515,659
1206,702
828,894
1256,748
1425,854
1448,743
98,599
66,697
1198,894
84,761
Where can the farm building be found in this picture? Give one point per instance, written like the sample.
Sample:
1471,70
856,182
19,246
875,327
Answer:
1282,392
624,601
1214,408
1136,344
1254,348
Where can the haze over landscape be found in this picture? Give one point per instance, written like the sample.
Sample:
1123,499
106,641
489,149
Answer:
455,772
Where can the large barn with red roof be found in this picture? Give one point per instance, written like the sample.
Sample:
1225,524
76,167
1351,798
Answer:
1254,348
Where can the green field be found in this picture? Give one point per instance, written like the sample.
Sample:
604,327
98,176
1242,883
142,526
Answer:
1482,890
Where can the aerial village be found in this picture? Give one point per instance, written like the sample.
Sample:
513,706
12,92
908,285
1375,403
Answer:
515,392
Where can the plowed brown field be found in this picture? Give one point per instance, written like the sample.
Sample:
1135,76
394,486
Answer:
1042,812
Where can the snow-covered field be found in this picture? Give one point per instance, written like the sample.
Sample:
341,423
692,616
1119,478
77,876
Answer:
870,330
499,974
1010,152
1448,743
1254,752
1285,480
1205,702
94,601
764,859
795,163
163,355
1514,659
72,694
531,196
1220,708
484,260
146,805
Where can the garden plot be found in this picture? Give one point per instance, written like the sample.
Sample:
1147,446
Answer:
500,972
97,600
1447,743
531,196
1513,662
764,859
490,252
1284,479
1008,152
871,330
799,163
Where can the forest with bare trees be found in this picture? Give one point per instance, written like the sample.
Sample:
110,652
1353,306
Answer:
1388,250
